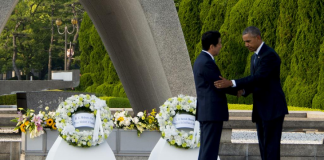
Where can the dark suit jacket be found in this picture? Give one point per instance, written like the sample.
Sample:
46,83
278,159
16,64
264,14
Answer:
211,102
264,82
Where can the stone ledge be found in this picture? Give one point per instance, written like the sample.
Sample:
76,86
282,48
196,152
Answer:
287,150
5,120
289,123
315,114
8,110
248,113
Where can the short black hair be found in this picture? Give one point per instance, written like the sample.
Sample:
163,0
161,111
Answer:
208,38
254,31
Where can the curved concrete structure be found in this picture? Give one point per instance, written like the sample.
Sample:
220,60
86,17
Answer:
6,9
145,42
146,45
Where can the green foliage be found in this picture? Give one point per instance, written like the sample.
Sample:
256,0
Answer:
119,91
113,77
92,88
204,9
264,15
122,92
105,89
234,57
85,81
116,102
8,99
85,46
212,15
318,100
302,82
177,4
215,17
191,24
30,23
286,34
96,62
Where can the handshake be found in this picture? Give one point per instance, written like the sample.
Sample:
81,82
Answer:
224,83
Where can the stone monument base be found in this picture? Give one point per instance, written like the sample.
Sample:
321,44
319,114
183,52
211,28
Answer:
61,150
164,150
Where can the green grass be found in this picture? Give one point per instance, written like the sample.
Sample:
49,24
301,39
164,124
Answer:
249,107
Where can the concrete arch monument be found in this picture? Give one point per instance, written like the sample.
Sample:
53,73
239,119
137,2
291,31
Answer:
146,45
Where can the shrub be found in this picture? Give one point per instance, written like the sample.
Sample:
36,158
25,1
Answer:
117,102
302,82
191,24
8,99
85,80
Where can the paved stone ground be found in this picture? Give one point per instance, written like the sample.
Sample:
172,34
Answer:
250,136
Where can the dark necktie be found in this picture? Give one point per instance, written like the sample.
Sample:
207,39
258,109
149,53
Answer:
255,59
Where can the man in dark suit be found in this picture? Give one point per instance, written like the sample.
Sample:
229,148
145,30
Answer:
212,107
269,103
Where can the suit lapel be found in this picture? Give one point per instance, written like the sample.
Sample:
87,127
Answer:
208,57
259,57
211,60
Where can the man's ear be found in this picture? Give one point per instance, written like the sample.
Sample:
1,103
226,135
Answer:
259,37
211,46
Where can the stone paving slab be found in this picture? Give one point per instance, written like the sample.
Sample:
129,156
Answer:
5,120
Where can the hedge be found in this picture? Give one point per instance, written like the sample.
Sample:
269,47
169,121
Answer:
302,82
318,100
191,24
8,99
116,102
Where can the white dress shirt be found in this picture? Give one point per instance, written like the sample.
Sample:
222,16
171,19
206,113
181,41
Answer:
209,54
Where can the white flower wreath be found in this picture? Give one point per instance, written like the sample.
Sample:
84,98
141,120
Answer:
86,103
184,105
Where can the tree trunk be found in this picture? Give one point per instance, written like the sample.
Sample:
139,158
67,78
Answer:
49,74
14,57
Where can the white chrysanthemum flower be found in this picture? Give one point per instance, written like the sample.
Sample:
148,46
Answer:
68,129
135,120
140,114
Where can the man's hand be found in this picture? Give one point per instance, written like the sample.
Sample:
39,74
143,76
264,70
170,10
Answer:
223,83
240,93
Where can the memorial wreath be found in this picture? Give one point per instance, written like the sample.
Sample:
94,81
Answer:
92,112
179,112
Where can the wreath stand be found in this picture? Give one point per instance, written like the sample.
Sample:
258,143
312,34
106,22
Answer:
61,150
163,150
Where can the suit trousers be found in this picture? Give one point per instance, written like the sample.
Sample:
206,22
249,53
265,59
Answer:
269,135
210,135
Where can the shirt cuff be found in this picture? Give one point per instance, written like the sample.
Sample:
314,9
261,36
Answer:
234,84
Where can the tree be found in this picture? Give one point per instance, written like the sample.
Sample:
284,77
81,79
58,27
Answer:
286,35
302,82
190,23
